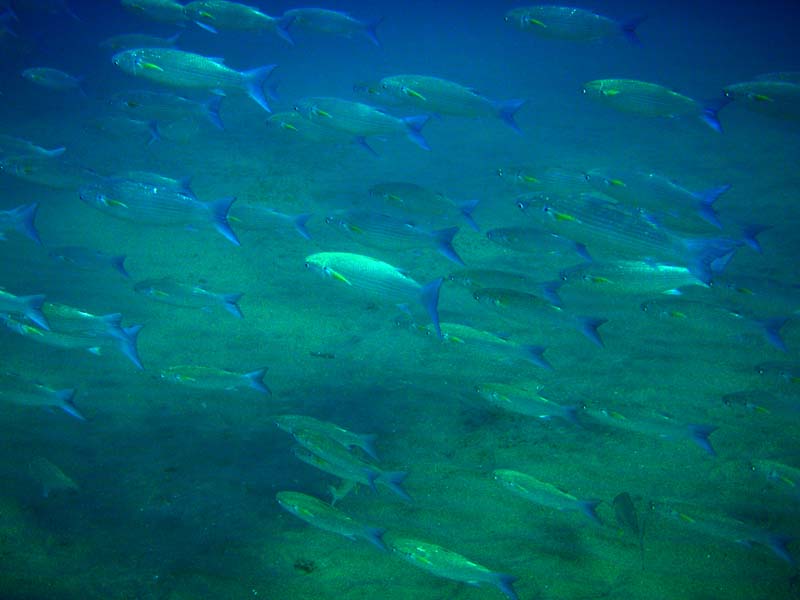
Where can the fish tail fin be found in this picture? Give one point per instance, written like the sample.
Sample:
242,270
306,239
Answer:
589,326
155,133
25,217
778,543
394,481
709,115
444,244
570,414
750,235
466,209
114,322
371,31
589,508
628,29
772,331
118,263
430,300
705,255
54,152
706,207
206,26
254,81
414,126
282,26
299,223
549,291
128,344
368,444
504,583
66,402
219,217
700,436
173,39
31,307
374,535
535,354
506,109
583,252
256,381
212,112
230,302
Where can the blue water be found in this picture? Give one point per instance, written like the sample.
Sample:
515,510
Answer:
176,485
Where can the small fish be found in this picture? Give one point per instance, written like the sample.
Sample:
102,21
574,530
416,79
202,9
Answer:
348,439
89,259
124,129
411,200
324,516
221,15
256,217
376,278
29,307
776,99
652,100
164,11
176,68
294,126
165,106
127,41
522,401
360,120
50,477
333,22
554,180
21,219
170,291
22,392
450,565
785,476
53,79
629,277
213,379
475,279
780,372
11,146
58,174
441,96
544,494
536,241
573,24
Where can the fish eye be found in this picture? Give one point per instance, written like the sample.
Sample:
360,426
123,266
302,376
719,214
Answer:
329,220
522,205
644,306
307,265
500,172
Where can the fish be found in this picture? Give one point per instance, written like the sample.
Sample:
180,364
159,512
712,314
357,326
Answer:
53,79
657,193
628,518
387,232
57,174
616,232
779,372
530,309
164,11
360,120
21,219
441,96
124,129
629,277
785,476
652,100
166,106
11,146
333,22
348,439
475,279
324,516
22,392
447,564
90,259
544,493
572,24
29,307
411,200
523,401
376,278
560,180
761,402
213,379
776,99
50,477
257,217
217,15
533,240
179,69
127,41
295,126
187,295
150,201
788,76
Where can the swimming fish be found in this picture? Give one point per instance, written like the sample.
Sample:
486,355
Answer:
21,219
777,99
11,146
54,79
127,41
523,401
413,201
348,439
334,22
257,217
89,259
187,295
165,11
219,15
50,477
629,277
22,392
213,379
568,23
58,174
29,307
166,106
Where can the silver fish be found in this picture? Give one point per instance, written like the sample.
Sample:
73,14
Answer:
170,291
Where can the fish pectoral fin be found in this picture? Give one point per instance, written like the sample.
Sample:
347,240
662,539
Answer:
285,125
151,66
112,202
337,276
610,92
318,112
761,98
529,179
414,94
354,228
537,22
207,15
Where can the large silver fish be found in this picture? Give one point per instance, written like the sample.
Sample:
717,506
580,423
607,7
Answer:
777,99
187,295
165,11
219,15
544,493
23,392
334,22
569,23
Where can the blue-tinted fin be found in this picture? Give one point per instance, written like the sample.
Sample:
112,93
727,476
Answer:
155,133
54,152
128,344
750,235
173,39
705,252
549,291
772,331
114,323
506,109
444,244
429,296
394,481
628,29
570,414
212,112
282,25
206,26
535,354
272,91
709,114
588,327
299,223
699,435
368,444
589,508
414,127
219,217
254,81
778,544
25,216
31,307
706,199
505,583
374,535
583,252
466,209
230,303
371,31
66,403
256,381
118,263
